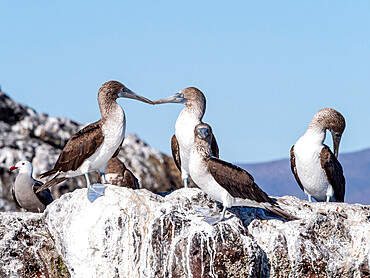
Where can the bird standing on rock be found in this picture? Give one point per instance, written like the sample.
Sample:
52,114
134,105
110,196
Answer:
225,182
90,149
315,168
119,175
25,187
190,116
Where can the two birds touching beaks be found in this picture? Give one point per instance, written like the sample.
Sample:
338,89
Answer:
195,151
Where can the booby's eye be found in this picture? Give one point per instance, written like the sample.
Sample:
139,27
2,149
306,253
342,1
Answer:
23,163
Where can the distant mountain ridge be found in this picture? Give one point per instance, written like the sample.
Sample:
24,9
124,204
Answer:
277,179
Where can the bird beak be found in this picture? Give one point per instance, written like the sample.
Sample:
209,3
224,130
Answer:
336,141
127,93
202,132
176,98
13,168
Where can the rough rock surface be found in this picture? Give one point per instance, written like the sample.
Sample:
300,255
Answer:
135,233
39,138
26,249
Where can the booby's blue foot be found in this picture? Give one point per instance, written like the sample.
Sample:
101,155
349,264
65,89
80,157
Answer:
94,191
212,220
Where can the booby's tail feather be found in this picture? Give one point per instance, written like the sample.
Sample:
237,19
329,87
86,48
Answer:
51,182
48,173
279,211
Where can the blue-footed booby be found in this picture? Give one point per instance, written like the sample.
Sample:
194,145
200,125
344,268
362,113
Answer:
316,169
190,116
25,187
90,149
119,175
223,181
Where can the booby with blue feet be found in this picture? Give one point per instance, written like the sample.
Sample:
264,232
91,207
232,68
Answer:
190,116
90,149
225,182
315,167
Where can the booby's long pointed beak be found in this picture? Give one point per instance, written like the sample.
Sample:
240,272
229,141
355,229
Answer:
336,141
13,168
127,93
176,98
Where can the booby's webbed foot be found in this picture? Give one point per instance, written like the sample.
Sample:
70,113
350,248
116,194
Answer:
212,220
94,191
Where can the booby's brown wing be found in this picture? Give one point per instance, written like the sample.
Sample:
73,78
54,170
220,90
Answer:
334,172
293,167
130,180
79,147
176,151
15,199
238,182
44,196
214,147
118,150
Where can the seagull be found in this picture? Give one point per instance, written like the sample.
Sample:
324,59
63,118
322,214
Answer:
225,182
90,149
119,175
190,116
25,187
315,168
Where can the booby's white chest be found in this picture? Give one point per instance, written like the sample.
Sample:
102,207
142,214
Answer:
203,178
312,176
184,131
113,130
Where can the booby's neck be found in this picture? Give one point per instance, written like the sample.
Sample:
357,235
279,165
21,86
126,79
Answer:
202,148
195,108
108,107
315,134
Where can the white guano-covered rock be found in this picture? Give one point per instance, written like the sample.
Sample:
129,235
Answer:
135,233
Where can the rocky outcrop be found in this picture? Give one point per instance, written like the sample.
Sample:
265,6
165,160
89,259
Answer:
26,248
39,138
136,233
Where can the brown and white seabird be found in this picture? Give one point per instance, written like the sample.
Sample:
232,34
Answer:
190,116
315,168
223,181
25,187
90,149
119,175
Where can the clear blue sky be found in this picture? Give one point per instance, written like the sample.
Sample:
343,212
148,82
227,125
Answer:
265,67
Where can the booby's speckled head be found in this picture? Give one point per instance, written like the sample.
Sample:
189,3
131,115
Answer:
23,167
112,90
332,120
203,132
186,96
202,139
